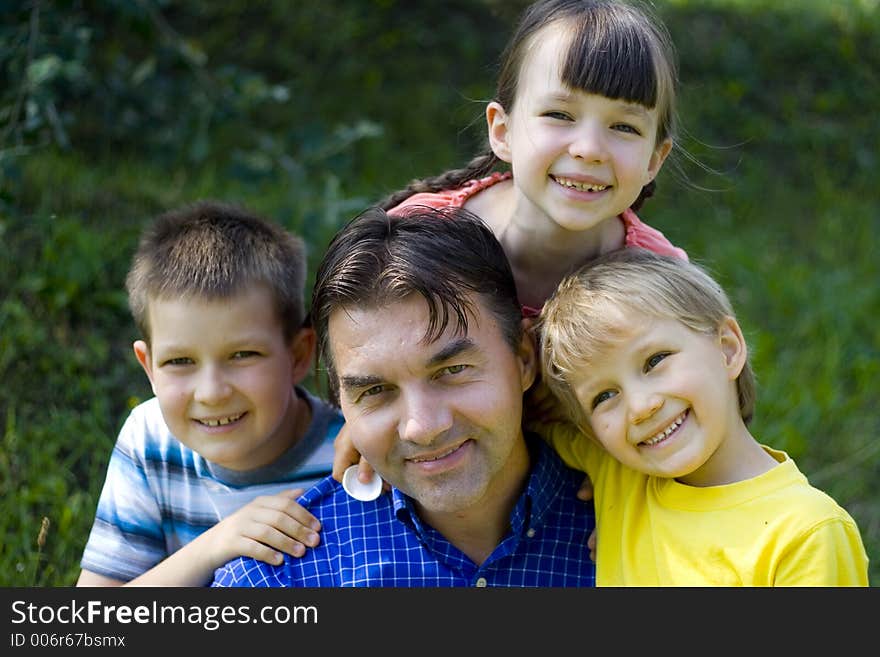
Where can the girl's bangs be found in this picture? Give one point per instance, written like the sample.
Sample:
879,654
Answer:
617,64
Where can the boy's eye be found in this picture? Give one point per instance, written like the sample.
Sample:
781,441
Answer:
655,360
605,395
181,360
244,354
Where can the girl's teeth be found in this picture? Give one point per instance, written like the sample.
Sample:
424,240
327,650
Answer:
581,187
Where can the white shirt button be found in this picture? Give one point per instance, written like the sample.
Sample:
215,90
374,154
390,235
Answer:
530,533
481,582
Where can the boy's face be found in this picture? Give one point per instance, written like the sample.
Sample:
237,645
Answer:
224,376
663,400
440,420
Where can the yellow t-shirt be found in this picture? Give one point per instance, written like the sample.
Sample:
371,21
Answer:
772,530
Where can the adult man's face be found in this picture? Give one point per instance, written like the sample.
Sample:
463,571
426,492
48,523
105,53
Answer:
439,420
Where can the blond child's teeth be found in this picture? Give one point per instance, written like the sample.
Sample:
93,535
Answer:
668,430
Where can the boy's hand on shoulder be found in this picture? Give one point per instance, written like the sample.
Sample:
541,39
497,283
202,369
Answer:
264,528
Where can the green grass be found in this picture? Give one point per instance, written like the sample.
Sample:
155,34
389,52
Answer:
775,95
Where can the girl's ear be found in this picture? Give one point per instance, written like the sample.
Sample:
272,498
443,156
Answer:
302,353
497,124
142,353
657,159
733,347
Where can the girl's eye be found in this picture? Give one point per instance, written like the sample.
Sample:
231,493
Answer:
654,360
605,395
626,127
562,116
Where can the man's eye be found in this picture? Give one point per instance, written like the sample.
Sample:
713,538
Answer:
454,369
655,360
372,391
605,395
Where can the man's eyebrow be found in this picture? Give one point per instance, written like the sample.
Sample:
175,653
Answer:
357,382
452,350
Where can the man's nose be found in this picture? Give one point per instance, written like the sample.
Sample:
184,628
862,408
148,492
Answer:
424,417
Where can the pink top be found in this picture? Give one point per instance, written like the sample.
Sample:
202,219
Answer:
638,234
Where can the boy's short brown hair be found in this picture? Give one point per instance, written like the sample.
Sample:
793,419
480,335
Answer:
213,250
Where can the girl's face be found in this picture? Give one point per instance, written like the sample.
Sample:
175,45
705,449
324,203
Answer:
663,399
578,158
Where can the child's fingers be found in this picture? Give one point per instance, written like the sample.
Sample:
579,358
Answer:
285,503
591,545
281,539
585,492
344,454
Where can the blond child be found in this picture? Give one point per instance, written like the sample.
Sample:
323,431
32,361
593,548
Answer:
650,366
210,467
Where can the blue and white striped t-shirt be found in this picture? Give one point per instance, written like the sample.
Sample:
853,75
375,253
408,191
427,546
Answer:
159,494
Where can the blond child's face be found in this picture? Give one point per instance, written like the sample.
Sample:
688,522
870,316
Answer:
663,399
224,376
577,158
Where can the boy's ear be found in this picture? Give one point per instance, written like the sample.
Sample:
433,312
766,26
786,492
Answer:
142,353
733,347
657,159
302,353
498,129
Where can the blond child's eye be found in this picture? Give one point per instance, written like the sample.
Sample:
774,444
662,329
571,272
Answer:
244,354
603,396
655,360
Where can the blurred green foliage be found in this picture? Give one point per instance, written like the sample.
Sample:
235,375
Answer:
112,111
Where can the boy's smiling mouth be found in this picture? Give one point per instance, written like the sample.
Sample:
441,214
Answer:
220,421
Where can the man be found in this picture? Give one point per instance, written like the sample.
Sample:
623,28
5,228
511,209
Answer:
421,331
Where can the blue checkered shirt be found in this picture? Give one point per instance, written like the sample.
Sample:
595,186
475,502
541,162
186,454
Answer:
384,543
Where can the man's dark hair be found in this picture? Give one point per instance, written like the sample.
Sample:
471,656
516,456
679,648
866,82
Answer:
446,256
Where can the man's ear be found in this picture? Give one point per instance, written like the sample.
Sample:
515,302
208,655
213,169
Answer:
302,353
498,128
733,347
142,353
527,354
